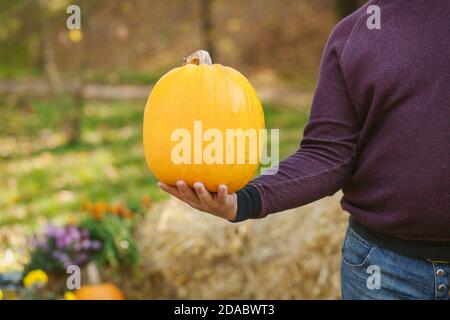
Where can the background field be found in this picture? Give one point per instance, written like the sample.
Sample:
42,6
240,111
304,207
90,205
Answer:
71,111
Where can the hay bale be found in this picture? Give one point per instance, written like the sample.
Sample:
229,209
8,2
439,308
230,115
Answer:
290,255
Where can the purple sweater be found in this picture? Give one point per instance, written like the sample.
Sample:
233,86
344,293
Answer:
379,127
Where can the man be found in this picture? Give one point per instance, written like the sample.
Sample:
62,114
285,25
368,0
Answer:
379,130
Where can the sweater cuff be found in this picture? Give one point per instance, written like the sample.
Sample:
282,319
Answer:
248,204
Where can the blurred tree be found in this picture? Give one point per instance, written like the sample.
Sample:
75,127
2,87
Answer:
70,96
75,117
48,53
80,44
206,26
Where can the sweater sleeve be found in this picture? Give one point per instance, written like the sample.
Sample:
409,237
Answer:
324,161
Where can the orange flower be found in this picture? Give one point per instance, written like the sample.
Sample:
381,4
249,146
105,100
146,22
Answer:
98,215
99,209
146,201
127,214
120,209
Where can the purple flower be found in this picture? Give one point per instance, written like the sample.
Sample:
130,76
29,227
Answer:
86,244
81,258
84,233
73,233
53,231
61,243
62,257
96,245
67,245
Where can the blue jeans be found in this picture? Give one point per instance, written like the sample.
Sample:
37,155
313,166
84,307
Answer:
369,272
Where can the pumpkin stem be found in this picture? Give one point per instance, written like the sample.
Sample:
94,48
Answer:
199,57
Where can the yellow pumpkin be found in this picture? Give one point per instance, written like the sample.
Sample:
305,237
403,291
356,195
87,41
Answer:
105,291
192,119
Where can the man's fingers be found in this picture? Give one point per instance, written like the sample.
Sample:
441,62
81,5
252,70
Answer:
222,193
202,193
195,197
186,192
176,193
222,204
169,189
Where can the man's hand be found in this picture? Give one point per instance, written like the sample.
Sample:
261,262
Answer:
220,204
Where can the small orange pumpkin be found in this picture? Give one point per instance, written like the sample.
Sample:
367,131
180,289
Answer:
104,291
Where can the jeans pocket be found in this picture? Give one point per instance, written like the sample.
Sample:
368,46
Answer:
356,251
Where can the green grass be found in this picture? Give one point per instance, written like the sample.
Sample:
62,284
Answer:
41,178
16,72
125,76
290,123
